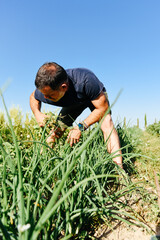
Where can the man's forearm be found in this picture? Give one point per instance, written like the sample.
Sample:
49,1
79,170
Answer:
101,105
95,116
36,109
35,104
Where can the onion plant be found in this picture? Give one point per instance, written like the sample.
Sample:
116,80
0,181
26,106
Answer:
57,193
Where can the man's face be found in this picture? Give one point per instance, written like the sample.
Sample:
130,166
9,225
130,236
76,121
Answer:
54,95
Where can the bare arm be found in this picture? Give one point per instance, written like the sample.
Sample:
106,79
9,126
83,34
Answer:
36,109
101,106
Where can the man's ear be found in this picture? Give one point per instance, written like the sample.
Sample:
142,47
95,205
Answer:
64,86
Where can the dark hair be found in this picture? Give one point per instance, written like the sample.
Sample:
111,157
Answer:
50,74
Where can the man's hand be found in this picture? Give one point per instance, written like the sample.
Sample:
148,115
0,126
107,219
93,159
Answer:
40,117
55,133
74,136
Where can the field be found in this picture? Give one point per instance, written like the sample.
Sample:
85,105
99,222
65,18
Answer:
61,192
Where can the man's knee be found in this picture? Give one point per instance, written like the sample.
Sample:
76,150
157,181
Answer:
107,123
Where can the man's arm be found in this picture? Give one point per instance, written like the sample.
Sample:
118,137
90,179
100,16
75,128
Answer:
36,109
101,106
40,117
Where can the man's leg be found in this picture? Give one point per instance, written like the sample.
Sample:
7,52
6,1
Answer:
111,136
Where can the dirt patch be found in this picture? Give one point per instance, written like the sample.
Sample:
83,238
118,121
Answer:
125,232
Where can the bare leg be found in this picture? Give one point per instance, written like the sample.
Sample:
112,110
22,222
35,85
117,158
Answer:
113,143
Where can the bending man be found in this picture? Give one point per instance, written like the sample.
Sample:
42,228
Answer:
74,90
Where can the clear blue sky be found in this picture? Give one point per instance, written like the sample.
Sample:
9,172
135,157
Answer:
119,40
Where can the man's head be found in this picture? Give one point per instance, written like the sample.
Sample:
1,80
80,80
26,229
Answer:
50,74
51,80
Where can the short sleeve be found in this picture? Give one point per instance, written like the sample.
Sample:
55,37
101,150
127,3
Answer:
38,95
93,87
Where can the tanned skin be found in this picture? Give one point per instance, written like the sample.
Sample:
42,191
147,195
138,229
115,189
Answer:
101,106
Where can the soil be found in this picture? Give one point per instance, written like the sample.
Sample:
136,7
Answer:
122,231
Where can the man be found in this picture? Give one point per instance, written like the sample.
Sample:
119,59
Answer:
74,90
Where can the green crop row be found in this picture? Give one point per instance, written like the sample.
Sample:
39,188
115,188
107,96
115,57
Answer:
60,192
154,129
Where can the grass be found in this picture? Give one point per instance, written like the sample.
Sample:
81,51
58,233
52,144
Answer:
65,192
146,163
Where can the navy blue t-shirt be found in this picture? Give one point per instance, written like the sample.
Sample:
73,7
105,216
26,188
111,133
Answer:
84,87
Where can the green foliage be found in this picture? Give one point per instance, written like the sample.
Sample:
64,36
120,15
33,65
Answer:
137,122
145,121
50,193
129,139
154,129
